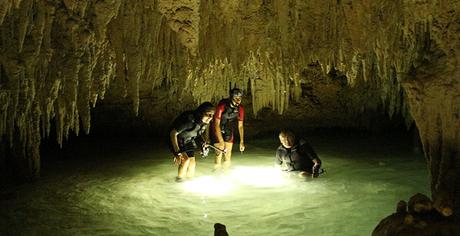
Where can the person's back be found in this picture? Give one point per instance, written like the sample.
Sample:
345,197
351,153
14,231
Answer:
187,127
181,123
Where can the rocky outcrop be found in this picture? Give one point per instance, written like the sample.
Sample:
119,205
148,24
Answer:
417,217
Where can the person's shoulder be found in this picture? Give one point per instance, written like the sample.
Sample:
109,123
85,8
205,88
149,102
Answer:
222,103
304,144
281,148
302,141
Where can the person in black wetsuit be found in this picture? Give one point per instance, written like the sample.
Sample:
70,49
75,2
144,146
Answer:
187,134
297,155
228,112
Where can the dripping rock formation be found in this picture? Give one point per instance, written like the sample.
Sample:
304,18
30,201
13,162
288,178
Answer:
327,63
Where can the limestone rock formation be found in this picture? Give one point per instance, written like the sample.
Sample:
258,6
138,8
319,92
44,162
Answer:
60,58
419,218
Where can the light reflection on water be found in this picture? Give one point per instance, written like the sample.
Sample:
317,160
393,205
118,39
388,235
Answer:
137,195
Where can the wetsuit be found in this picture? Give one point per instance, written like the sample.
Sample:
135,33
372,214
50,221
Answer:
190,130
228,116
297,158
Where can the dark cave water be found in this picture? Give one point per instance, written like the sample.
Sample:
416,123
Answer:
118,187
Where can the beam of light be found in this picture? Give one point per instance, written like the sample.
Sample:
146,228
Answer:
209,185
258,176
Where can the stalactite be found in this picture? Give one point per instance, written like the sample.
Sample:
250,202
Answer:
146,51
58,59
183,17
6,6
54,79
271,84
347,40
432,88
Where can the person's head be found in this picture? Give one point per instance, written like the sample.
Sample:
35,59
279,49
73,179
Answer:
287,138
235,97
205,112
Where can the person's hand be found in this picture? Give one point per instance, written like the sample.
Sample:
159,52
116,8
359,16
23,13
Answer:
205,150
315,171
179,158
242,147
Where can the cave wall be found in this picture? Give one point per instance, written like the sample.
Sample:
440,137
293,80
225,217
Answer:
60,58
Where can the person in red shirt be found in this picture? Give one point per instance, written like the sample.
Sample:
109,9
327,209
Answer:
228,112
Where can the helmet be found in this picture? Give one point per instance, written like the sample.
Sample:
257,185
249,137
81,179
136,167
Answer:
236,92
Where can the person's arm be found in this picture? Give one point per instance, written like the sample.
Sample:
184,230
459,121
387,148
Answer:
308,151
278,160
241,130
205,136
316,167
175,145
241,127
181,124
204,141
218,132
315,159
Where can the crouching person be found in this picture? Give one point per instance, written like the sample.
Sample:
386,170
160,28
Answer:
296,155
187,134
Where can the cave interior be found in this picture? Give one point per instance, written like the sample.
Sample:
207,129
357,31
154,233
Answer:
74,72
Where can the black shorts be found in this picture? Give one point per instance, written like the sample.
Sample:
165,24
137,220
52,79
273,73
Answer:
227,135
188,148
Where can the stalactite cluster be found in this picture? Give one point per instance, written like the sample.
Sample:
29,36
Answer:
147,51
273,41
183,17
53,68
58,58
270,84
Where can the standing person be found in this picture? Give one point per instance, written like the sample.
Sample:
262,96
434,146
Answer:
229,111
187,134
297,155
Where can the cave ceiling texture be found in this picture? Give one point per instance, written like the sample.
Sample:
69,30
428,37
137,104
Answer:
327,61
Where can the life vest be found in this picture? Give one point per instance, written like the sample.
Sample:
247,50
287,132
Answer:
294,158
229,115
193,129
